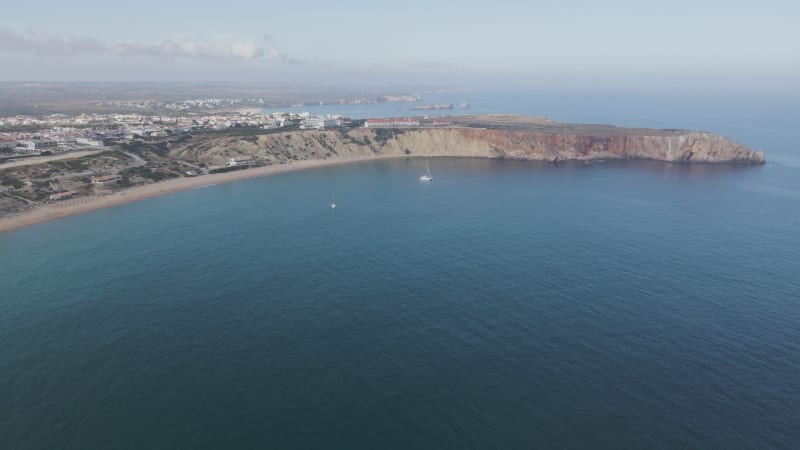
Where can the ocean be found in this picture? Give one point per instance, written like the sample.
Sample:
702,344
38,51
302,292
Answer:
507,304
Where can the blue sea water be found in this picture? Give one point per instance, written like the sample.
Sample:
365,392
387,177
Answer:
505,305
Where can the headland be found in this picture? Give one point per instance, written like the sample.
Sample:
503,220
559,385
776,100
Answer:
47,189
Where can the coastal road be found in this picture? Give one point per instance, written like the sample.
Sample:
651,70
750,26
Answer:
49,158
137,158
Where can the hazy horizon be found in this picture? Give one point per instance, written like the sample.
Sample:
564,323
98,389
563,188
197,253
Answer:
717,44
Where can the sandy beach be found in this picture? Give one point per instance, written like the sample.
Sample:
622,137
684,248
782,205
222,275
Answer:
53,211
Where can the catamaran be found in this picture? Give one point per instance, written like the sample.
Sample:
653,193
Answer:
427,175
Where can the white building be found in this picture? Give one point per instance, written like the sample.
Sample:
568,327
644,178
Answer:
26,146
240,161
102,180
399,122
320,122
38,145
87,141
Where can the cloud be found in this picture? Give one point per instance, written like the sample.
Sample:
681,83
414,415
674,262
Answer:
220,49
169,49
41,42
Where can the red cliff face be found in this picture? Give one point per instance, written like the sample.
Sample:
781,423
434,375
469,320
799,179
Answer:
673,146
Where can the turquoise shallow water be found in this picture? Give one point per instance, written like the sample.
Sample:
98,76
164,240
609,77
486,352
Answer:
505,305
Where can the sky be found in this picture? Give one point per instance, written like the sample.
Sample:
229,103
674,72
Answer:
613,42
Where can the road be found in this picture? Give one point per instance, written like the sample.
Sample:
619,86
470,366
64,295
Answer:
137,158
46,159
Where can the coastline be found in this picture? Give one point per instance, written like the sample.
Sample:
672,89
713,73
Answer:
55,211
502,137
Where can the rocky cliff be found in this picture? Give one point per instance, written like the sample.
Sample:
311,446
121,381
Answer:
486,136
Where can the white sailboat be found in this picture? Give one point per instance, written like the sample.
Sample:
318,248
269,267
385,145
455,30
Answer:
427,175
333,200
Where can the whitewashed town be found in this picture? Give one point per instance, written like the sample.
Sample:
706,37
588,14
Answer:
60,132
24,135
